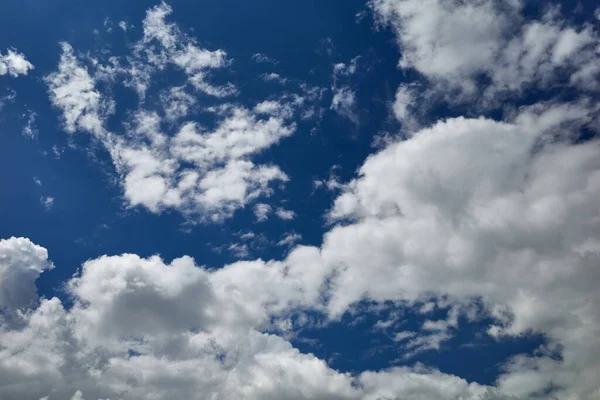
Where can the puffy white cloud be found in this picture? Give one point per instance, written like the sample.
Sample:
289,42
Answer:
74,92
14,64
21,263
456,43
479,209
284,214
498,214
140,328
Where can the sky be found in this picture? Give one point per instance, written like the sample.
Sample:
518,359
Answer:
349,200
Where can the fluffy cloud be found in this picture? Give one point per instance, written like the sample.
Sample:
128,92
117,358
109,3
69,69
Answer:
456,43
206,173
14,64
478,209
73,91
486,218
21,263
140,328
467,211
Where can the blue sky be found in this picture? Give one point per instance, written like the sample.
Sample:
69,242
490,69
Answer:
384,199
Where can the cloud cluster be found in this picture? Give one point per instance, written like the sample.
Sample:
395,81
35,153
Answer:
140,328
14,64
164,159
485,51
469,211
491,220
21,263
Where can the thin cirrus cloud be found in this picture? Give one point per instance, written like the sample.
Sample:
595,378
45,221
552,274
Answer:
490,219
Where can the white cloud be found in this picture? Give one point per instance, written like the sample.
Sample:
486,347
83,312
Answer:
454,44
284,214
262,211
30,130
289,239
73,91
14,64
466,212
478,209
21,263
344,103
177,103
37,181
47,202
273,77
177,48
263,58
239,250
343,69
205,173
141,328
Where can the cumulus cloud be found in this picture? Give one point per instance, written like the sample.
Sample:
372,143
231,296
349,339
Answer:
14,64
469,210
141,328
456,43
465,209
475,215
21,263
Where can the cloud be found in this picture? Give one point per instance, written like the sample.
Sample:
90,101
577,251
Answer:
273,77
21,263
14,64
464,209
140,327
344,98
30,130
177,103
177,48
496,219
47,202
37,181
73,91
344,103
289,239
284,214
205,172
455,44
262,211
